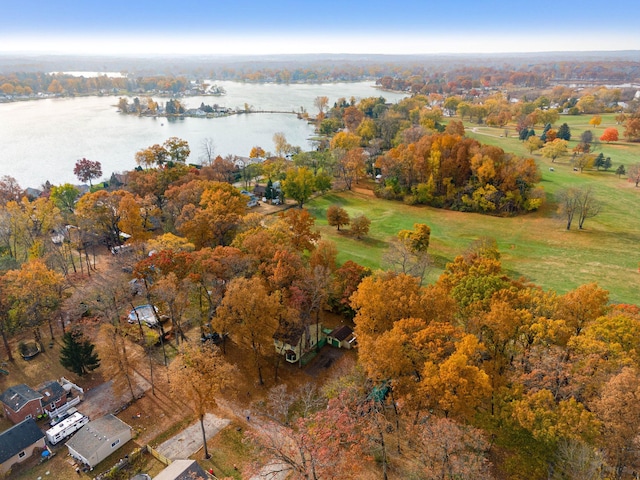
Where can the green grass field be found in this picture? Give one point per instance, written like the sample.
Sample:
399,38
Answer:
536,246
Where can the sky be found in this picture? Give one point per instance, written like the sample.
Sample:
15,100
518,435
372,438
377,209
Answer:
213,27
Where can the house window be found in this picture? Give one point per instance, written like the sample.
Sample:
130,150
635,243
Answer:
115,443
28,416
52,406
22,454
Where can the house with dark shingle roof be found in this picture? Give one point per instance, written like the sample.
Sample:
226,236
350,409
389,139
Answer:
293,341
53,395
182,470
18,443
341,337
21,402
98,439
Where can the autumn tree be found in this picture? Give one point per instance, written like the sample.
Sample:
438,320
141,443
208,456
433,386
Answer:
77,354
554,149
632,129
359,226
34,294
457,386
282,147
321,103
299,184
382,300
198,375
299,225
153,155
257,152
207,213
450,450
596,120
116,355
337,216
633,173
583,305
533,143
177,149
609,135
64,197
346,280
351,165
619,410
87,170
10,190
250,315
109,214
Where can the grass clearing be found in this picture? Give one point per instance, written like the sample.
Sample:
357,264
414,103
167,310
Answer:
536,246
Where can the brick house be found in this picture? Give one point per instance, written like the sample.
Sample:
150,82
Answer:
21,401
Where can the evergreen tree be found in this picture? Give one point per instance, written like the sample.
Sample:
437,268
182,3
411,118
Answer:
620,171
543,136
599,161
607,163
564,132
77,354
268,192
524,134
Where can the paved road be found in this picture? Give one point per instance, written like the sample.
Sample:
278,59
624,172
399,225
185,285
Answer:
189,440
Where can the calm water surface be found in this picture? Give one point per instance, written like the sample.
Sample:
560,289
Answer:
41,140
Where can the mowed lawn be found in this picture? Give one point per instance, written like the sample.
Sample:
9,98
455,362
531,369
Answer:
535,246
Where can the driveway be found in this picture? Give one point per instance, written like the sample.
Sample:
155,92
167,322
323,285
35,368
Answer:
189,440
102,399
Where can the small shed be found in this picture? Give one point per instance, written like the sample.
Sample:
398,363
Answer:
18,443
98,439
342,337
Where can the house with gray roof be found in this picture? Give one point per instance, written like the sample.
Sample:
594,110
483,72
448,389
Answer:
18,443
21,402
182,470
53,395
98,439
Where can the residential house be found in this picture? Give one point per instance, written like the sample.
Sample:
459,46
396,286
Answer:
182,470
293,341
53,395
18,443
21,402
98,439
342,337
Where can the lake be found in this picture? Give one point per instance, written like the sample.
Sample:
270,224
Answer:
41,140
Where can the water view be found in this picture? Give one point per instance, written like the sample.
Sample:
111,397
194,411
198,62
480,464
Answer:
41,140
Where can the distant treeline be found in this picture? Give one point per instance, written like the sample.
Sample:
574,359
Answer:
64,84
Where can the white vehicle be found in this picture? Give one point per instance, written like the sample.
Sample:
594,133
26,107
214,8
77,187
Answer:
60,417
66,427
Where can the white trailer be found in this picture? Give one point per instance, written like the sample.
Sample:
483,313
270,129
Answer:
66,427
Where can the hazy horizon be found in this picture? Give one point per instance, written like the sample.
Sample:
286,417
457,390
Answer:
292,27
